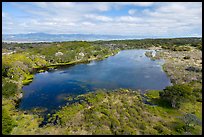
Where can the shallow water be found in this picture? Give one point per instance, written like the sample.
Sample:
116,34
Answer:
127,69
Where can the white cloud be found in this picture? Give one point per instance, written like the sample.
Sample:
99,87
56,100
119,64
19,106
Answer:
98,17
132,11
88,23
161,19
3,14
103,7
142,4
129,19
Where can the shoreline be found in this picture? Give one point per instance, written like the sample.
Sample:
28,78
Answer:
29,77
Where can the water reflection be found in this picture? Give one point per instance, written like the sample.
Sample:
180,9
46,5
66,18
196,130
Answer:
128,69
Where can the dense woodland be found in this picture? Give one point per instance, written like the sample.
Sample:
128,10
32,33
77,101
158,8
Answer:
145,43
175,110
122,44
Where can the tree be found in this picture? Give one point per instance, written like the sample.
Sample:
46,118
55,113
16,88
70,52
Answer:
177,94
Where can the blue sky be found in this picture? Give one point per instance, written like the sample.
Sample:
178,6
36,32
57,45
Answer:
122,18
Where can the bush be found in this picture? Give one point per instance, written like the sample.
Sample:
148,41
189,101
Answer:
7,122
126,130
194,69
198,94
191,119
177,94
199,47
5,69
186,57
181,48
159,128
8,89
179,127
115,124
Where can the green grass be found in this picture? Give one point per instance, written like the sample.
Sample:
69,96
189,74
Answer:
152,93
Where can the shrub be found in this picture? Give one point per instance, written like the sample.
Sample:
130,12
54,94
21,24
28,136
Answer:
179,127
141,126
128,130
115,124
186,57
177,94
8,89
5,69
191,119
181,48
7,122
198,94
159,128
194,69
199,47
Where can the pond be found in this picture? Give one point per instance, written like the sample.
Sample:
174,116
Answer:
128,69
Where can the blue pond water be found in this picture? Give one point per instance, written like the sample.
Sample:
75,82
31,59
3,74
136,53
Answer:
127,69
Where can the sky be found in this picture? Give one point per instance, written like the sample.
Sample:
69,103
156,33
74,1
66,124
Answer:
164,19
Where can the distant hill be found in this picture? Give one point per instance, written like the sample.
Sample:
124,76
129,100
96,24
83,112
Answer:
42,37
